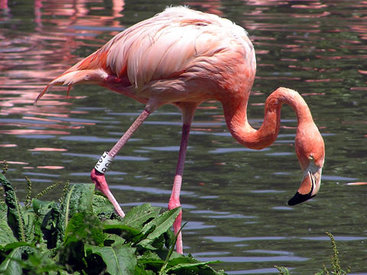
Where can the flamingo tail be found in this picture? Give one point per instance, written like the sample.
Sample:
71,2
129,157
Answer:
74,76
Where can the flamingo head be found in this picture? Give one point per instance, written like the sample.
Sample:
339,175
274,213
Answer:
101,184
310,151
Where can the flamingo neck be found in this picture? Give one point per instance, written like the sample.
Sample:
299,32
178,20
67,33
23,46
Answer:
237,122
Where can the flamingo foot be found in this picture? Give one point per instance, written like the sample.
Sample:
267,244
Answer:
101,184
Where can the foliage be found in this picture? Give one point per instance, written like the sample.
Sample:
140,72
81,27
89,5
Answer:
336,269
81,234
282,270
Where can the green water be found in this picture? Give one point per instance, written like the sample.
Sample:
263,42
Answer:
234,199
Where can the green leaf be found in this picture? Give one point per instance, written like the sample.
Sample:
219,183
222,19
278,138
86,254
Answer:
15,215
79,198
102,207
84,236
113,239
117,226
41,208
40,261
170,242
11,265
120,229
119,259
47,219
193,268
180,264
6,234
151,260
29,223
13,245
282,270
86,228
142,271
132,224
158,226
3,210
140,215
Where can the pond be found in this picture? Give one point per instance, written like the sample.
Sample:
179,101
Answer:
234,199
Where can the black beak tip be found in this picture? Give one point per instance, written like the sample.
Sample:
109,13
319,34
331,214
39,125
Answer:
298,198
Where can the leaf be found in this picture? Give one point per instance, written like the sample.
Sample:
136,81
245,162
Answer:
119,259
15,215
193,268
102,207
11,265
140,215
151,260
84,227
6,234
79,198
3,210
29,223
113,239
181,264
158,226
130,227
47,218
41,262
84,236
142,271
150,256
120,229
170,243
41,208
282,270
11,246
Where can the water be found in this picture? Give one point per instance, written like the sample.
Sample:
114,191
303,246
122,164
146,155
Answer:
234,199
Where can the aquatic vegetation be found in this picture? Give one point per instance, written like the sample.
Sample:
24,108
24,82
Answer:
335,269
81,234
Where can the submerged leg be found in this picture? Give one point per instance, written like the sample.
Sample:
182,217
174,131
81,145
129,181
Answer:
97,174
174,201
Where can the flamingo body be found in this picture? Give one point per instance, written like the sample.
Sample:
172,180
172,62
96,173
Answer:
169,58
185,57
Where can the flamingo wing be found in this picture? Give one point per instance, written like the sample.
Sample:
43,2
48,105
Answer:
174,42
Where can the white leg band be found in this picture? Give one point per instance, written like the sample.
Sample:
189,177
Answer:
103,163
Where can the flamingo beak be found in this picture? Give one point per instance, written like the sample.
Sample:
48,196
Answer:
310,185
101,184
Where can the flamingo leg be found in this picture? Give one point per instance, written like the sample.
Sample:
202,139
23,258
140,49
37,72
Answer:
174,200
97,174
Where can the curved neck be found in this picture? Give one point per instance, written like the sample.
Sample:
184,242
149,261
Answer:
237,122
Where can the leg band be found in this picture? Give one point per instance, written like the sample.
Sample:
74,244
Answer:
103,163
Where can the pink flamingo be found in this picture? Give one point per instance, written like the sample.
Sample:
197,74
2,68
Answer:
185,57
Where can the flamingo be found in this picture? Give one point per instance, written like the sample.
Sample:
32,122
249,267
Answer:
185,57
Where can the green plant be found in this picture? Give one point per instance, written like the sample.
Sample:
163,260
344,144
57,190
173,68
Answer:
81,234
336,269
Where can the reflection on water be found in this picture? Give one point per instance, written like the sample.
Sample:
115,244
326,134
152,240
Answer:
233,198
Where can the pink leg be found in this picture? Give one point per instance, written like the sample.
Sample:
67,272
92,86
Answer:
97,174
174,200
